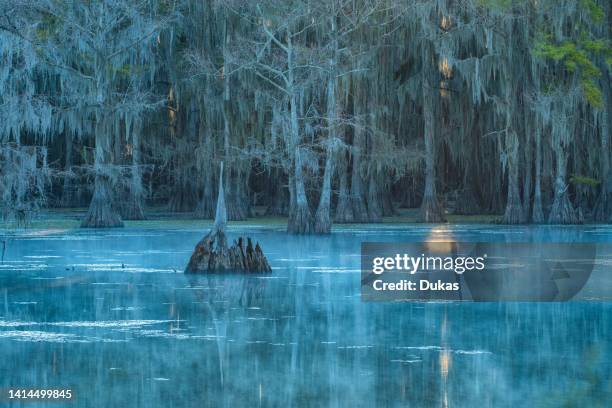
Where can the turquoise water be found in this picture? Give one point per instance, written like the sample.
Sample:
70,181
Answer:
110,315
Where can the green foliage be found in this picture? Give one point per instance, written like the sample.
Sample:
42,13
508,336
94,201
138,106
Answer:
47,27
496,4
592,93
594,10
588,181
502,5
580,55
575,55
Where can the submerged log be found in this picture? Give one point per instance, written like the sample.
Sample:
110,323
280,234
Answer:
212,254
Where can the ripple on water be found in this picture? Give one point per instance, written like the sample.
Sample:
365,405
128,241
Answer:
113,323
407,361
51,337
439,348
137,327
4,323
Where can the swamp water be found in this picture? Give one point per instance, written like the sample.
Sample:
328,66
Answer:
110,315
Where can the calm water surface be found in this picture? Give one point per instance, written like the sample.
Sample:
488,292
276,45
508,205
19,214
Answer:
110,315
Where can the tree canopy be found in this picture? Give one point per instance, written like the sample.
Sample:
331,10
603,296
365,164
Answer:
322,111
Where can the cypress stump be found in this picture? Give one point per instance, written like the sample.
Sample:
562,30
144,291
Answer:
212,254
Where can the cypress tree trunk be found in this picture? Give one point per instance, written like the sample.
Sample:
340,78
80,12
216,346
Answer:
234,212
69,186
322,216
292,196
233,187
360,211
388,208
205,208
430,211
300,219
562,210
496,202
232,208
374,208
102,212
131,209
279,197
514,208
244,199
236,208
527,183
344,210
603,206
537,216
410,190
467,204
183,198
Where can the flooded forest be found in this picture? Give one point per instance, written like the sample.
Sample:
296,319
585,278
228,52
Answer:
309,131
324,112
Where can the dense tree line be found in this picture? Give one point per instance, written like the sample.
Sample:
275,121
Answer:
321,110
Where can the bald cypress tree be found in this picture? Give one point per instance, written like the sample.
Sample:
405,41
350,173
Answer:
314,106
